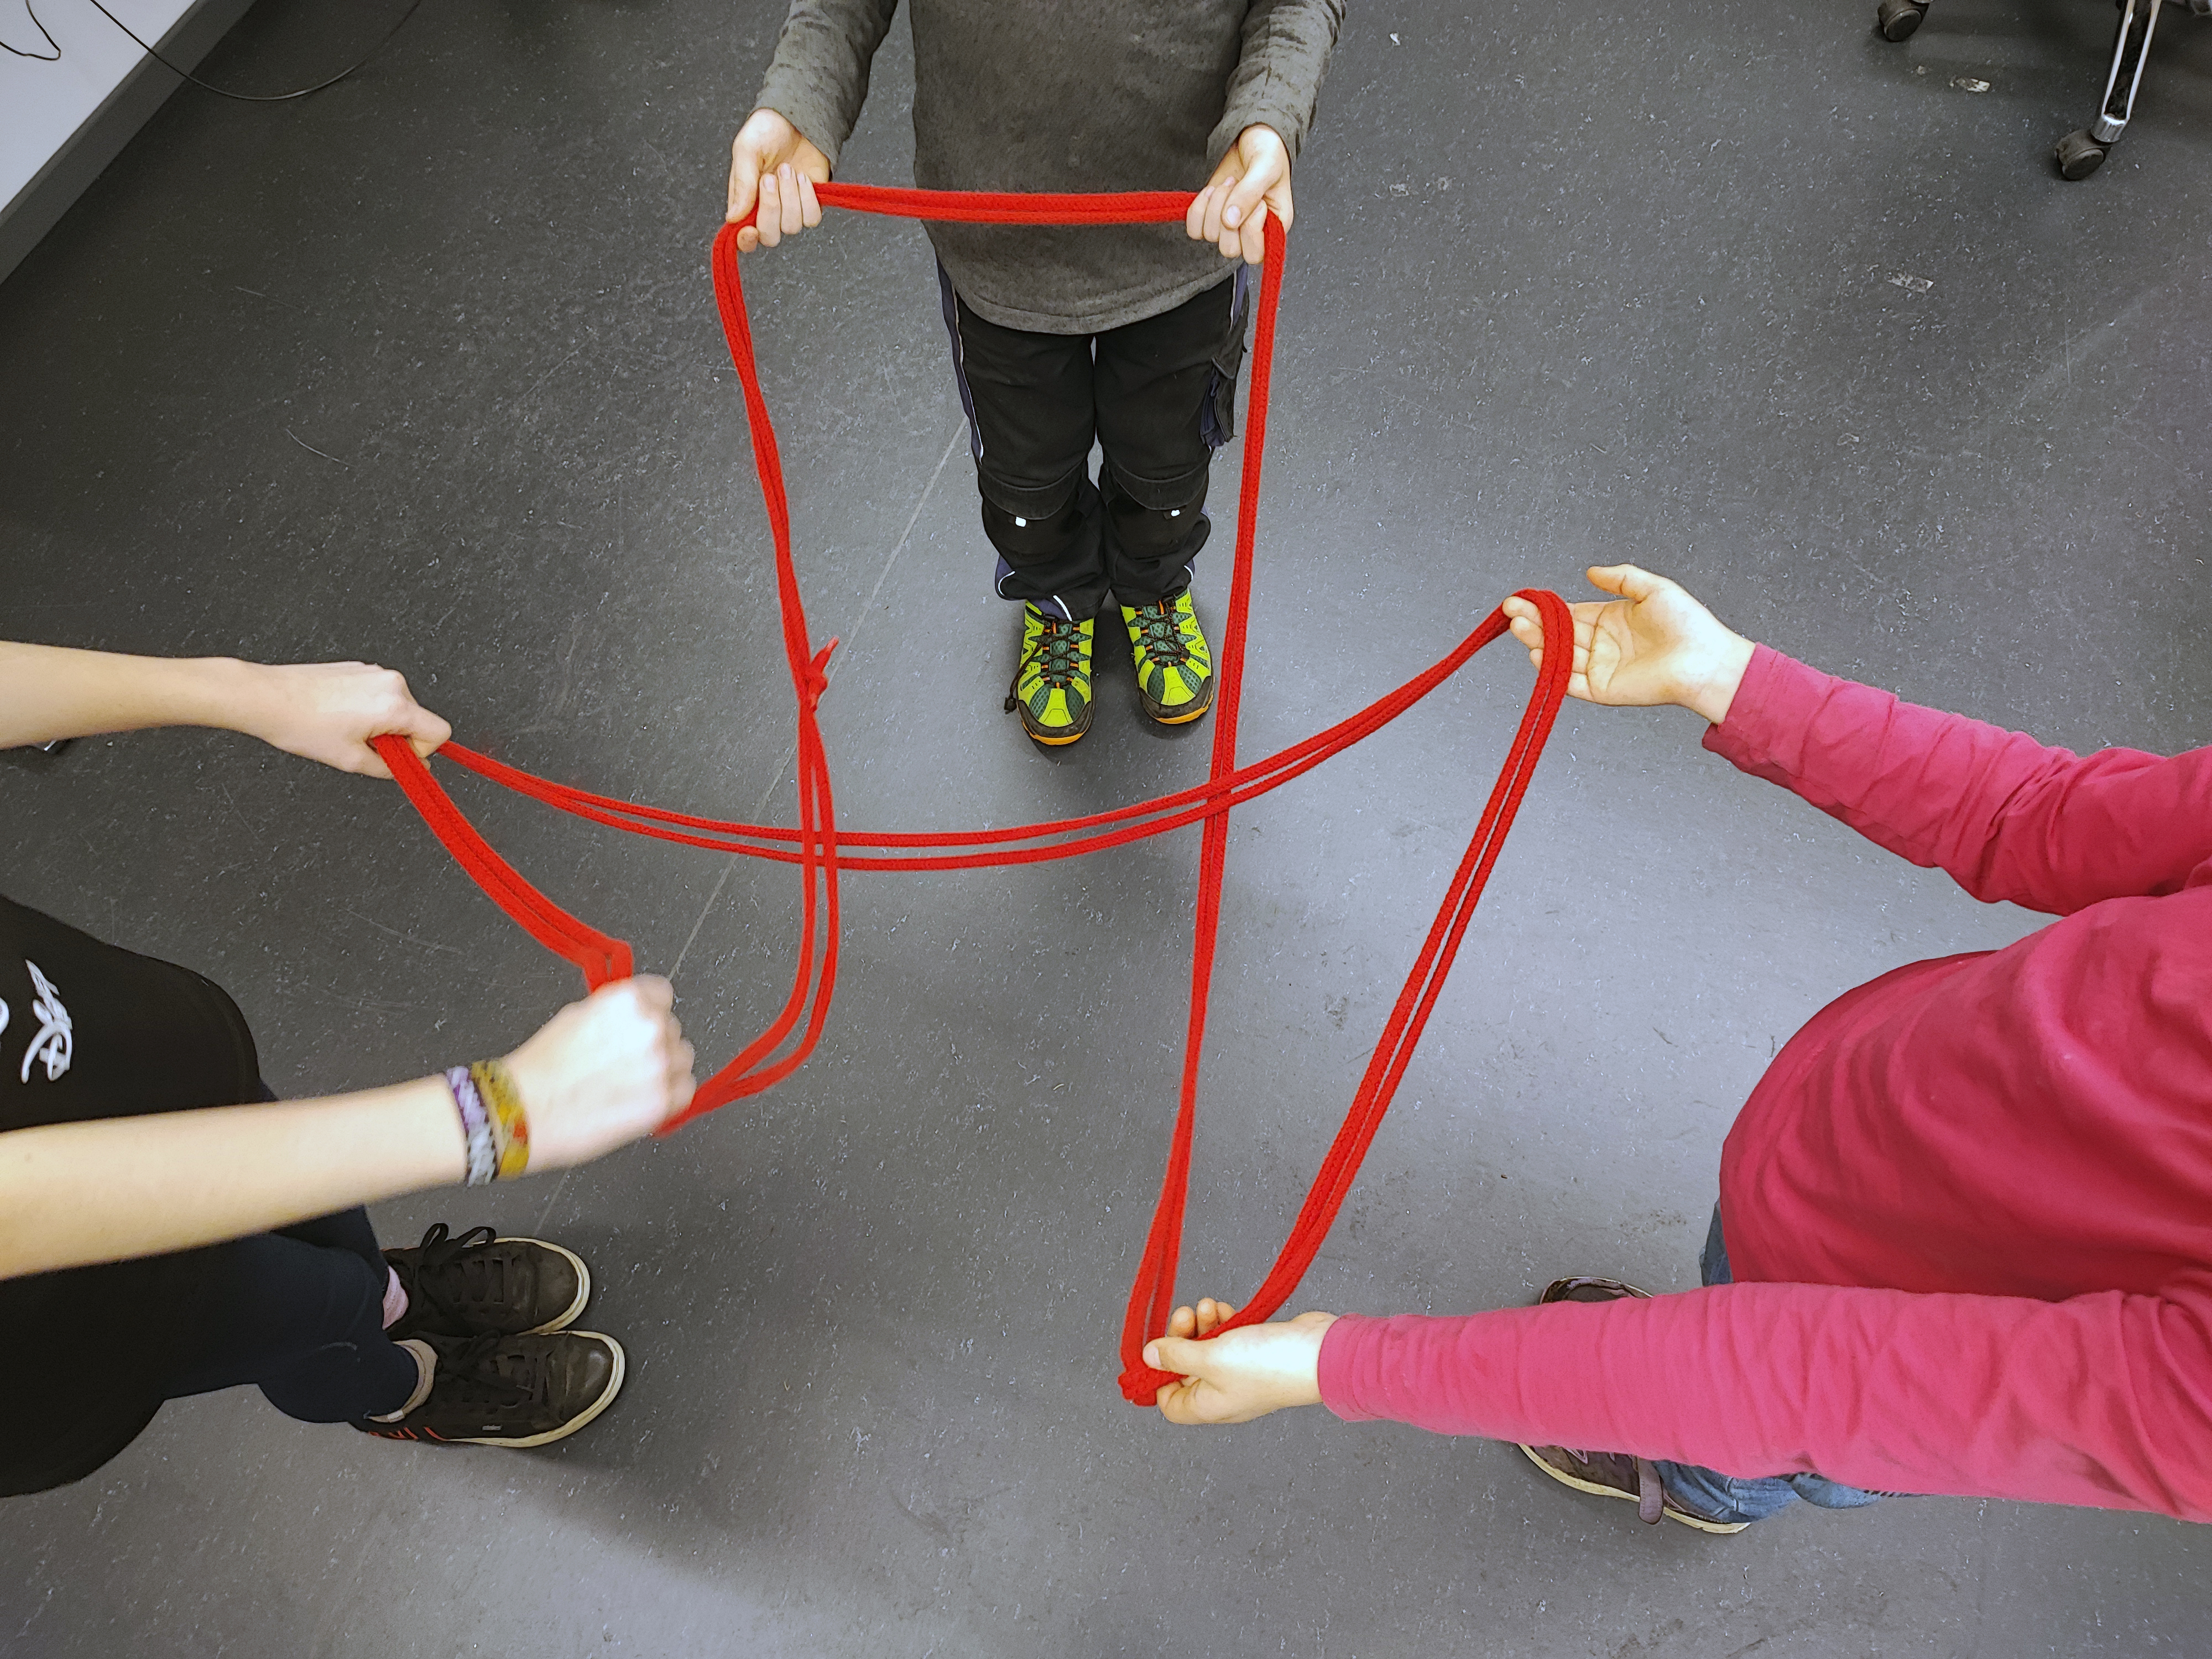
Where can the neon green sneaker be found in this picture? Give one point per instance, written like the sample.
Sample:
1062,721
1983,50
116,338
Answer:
1174,668
1052,687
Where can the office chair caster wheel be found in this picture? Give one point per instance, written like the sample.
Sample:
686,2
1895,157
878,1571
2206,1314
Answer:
2079,154
1898,18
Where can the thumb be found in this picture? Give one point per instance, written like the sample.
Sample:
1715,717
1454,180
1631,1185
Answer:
1630,582
744,180
1177,1354
1249,190
426,732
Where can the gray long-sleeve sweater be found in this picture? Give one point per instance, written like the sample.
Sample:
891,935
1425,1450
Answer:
1065,95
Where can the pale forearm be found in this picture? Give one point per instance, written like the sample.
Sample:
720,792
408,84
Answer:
1711,680
48,692
331,712
73,1194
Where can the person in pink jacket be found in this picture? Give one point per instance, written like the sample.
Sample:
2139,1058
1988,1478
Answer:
1964,1241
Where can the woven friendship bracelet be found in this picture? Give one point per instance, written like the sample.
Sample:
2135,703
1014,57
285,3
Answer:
476,1127
510,1124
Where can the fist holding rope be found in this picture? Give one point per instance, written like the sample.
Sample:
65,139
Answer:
602,1071
1241,1374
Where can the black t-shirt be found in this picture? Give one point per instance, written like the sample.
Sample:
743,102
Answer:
88,1031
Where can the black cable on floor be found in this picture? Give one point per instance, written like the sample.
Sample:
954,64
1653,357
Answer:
220,92
53,57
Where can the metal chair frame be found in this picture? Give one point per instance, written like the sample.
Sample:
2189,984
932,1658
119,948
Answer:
2082,151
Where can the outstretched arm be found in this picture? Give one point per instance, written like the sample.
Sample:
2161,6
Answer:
2005,817
601,1073
324,711
2100,1400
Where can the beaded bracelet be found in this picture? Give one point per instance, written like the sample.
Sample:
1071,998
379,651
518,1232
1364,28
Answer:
476,1127
510,1124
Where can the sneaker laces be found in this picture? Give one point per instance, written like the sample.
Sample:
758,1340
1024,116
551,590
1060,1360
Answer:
1058,654
451,1294
489,1373
1160,635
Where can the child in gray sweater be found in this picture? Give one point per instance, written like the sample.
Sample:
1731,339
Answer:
1127,335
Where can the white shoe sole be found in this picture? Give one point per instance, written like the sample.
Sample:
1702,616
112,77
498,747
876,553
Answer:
1596,1491
592,1411
583,1285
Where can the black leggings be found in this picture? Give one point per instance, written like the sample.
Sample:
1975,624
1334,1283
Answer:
300,1312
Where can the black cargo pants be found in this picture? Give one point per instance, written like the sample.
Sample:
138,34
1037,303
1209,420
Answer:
1160,395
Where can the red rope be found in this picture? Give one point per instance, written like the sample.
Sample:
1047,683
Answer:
816,844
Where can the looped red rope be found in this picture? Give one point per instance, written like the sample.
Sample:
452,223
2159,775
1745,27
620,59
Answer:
816,844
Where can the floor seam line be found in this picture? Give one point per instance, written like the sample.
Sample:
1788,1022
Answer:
775,782
829,673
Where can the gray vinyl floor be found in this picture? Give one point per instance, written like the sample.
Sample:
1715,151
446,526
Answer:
426,369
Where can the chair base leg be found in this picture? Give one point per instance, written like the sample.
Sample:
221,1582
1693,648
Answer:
2078,155
1897,19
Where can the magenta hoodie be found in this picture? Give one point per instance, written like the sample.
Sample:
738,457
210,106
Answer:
1969,1206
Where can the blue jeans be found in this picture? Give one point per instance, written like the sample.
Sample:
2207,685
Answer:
1718,1497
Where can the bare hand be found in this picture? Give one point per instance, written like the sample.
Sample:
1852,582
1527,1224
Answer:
328,711
772,161
602,1071
1241,1374
1253,180
1653,645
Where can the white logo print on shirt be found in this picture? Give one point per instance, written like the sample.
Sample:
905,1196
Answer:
55,1041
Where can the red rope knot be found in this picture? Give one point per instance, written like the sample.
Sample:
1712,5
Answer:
817,675
1141,1384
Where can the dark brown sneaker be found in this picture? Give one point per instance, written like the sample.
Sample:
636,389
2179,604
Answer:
478,1284
512,1390
1616,1474
1613,1474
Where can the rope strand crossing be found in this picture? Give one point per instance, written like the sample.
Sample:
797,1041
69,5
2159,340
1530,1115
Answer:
819,847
